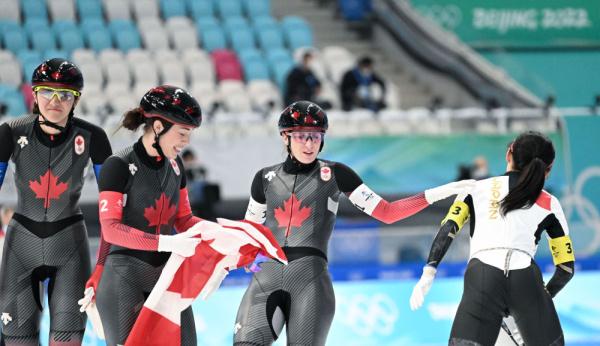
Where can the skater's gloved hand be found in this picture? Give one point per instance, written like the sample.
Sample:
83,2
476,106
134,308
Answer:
87,300
438,193
183,244
88,305
94,280
255,266
422,287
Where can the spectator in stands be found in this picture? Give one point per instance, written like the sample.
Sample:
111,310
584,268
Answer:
193,171
478,170
203,194
362,88
301,82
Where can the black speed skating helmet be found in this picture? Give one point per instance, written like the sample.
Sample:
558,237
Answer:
303,115
172,104
58,73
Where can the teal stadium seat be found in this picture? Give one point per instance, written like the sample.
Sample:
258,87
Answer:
235,23
13,99
172,8
69,40
213,38
98,39
34,9
33,25
248,55
89,9
298,38
228,8
201,8
270,38
43,40
90,24
241,39
278,55
63,25
264,22
257,8
14,39
256,70
28,58
128,39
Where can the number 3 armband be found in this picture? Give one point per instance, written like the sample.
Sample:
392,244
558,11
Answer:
561,249
459,213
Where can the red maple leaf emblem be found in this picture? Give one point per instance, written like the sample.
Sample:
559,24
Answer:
56,75
291,214
47,188
160,213
79,141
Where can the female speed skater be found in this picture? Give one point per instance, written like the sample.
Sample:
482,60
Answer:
507,214
143,197
298,200
47,237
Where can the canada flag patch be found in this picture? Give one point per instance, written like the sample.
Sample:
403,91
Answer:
79,145
175,167
325,173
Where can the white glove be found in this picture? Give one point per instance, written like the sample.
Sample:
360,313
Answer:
183,244
438,193
422,287
89,306
88,298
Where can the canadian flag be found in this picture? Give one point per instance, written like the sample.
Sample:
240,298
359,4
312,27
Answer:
225,246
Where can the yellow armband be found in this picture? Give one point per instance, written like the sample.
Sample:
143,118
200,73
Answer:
561,249
459,213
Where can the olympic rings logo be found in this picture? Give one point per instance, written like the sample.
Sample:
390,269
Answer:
368,315
449,16
576,202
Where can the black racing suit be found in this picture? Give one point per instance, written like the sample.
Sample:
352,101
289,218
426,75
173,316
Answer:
140,198
299,202
47,238
493,285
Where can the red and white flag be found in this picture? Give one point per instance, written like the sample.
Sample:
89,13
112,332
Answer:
225,246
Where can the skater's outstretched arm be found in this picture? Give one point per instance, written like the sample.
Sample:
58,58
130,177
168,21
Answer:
389,212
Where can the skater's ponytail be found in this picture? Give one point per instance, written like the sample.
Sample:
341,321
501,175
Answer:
133,119
533,155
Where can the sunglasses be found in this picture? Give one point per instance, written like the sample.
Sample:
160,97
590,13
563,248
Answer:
63,95
303,137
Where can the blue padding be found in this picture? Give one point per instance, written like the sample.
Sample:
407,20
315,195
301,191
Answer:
3,167
97,169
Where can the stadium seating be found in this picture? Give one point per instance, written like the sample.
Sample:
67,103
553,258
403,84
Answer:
125,47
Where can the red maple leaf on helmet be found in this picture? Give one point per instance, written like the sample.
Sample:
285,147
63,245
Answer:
291,214
56,75
295,115
160,213
176,101
47,188
309,119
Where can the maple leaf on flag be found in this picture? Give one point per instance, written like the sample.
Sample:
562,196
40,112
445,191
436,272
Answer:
47,188
160,213
291,214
